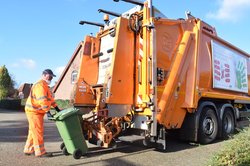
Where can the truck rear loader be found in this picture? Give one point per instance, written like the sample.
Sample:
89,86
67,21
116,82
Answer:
146,74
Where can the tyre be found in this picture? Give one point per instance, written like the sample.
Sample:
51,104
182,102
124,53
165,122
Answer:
77,154
228,124
65,152
208,126
62,146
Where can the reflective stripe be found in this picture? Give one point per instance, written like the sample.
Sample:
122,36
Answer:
31,106
41,98
28,148
39,146
40,152
45,107
37,108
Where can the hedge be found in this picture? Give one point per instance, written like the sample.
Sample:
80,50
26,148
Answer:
12,104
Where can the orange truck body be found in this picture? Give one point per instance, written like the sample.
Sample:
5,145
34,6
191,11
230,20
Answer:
153,74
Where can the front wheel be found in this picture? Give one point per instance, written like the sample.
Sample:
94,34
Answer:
62,146
65,151
208,126
228,124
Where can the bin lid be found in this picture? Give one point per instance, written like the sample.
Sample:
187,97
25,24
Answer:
65,113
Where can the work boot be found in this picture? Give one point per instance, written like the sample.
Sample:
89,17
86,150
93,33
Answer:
46,155
28,154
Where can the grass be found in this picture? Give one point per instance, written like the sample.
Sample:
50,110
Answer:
235,152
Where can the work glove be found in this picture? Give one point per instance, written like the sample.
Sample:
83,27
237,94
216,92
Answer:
49,115
57,109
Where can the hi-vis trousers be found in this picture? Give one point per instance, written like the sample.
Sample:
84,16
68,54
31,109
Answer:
35,141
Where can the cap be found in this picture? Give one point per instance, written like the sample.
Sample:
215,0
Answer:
48,71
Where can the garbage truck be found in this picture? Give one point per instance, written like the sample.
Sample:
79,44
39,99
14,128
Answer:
145,74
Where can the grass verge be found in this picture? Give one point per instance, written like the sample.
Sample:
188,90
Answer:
235,152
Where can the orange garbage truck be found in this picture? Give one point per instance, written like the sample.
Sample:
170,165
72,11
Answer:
143,73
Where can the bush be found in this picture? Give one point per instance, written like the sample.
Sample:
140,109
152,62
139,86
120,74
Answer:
235,151
12,104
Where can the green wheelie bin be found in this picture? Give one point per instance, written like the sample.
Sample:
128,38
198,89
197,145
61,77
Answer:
69,127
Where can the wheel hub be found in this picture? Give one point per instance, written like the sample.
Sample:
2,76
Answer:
208,126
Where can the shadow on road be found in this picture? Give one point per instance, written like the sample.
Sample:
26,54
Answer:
127,149
13,131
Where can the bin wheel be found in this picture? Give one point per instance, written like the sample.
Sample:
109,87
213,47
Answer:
65,152
77,154
62,146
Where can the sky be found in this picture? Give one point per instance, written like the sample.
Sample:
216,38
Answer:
35,35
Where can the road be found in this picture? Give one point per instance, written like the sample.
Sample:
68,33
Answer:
14,128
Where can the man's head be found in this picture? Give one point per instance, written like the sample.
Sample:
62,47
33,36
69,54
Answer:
48,75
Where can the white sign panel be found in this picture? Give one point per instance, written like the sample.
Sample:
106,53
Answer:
229,68
107,42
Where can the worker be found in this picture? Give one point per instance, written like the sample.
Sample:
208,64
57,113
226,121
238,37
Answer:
38,104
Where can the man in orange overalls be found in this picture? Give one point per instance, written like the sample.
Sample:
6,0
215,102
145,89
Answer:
38,103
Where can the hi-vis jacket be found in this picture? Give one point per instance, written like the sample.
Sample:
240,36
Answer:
40,99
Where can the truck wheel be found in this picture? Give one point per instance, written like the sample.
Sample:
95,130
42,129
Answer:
208,126
65,152
77,154
228,124
62,146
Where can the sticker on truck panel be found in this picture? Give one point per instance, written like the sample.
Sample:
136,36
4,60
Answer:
229,68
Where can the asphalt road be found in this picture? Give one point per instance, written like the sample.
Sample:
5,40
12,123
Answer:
13,133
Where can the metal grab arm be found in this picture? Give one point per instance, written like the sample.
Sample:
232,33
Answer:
109,12
91,23
136,2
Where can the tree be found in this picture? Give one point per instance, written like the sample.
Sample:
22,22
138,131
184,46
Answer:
6,83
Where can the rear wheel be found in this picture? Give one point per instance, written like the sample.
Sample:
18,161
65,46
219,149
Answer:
208,126
228,124
77,154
